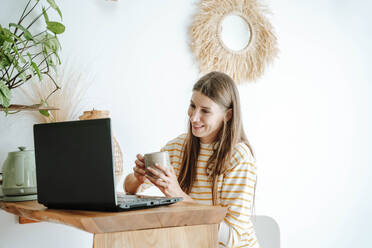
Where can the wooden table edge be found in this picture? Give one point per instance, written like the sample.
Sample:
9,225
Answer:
87,223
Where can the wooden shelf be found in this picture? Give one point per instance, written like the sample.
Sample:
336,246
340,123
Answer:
35,107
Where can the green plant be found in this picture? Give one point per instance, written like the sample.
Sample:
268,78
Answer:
24,55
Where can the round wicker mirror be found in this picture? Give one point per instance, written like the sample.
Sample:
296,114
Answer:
216,46
234,33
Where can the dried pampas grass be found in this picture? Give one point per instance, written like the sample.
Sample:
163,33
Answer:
209,50
68,99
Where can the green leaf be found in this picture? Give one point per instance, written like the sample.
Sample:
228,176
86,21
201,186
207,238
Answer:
56,44
45,15
45,52
44,112
59,60
34,66
5,36
53,4
11,58
56,27
7,46
51,63
5,95
29,56
15,49
4,63
26,33
44,104
52,43
36,70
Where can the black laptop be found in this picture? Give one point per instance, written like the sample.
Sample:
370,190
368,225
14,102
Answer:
75,169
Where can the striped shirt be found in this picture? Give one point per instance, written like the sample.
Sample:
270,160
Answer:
235,188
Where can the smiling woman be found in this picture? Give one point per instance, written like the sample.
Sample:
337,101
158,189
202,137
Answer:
213,163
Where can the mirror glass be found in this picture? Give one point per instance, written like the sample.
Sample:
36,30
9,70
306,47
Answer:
235,32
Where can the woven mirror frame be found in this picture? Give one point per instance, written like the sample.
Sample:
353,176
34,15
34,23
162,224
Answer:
245,65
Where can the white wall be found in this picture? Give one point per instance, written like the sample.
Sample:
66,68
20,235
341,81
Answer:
308,118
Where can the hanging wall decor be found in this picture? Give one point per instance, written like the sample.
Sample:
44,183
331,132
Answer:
234,37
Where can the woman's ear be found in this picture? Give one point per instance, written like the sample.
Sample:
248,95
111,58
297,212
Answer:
228,115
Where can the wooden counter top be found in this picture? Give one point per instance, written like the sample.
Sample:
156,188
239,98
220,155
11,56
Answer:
175,215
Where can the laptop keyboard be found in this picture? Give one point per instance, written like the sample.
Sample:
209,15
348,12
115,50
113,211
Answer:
134,201
130,199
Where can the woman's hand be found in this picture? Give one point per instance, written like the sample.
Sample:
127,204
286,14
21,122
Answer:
139,169
166,181
134,180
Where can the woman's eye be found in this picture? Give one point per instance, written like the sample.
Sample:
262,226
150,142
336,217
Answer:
192,105
205,111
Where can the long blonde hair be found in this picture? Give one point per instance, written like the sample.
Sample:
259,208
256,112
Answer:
221,89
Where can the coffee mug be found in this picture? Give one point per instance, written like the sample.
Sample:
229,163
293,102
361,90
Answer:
151,159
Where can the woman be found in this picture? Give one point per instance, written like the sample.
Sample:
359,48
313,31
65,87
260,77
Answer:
213,163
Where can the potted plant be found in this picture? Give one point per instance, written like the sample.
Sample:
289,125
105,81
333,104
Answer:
26,53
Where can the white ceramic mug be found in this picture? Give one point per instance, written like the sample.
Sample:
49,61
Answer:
161,158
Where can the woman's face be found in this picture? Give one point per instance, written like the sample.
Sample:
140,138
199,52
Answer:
206,117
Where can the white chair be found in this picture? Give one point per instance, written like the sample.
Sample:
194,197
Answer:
267,231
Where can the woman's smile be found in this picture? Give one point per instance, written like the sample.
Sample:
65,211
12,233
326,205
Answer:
197,127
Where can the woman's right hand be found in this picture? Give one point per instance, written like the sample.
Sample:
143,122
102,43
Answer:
139,169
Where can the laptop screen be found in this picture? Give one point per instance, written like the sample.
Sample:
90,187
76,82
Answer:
74,164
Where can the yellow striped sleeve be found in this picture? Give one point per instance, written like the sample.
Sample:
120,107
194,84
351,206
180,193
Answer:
237,195
175,156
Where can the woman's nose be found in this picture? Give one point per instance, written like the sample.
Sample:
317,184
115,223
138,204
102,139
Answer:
194,116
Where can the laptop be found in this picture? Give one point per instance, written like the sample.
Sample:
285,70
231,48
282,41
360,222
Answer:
75,169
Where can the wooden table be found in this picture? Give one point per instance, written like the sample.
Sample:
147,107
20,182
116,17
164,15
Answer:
179,225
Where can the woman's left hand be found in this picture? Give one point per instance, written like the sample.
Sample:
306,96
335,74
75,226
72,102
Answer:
167,181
